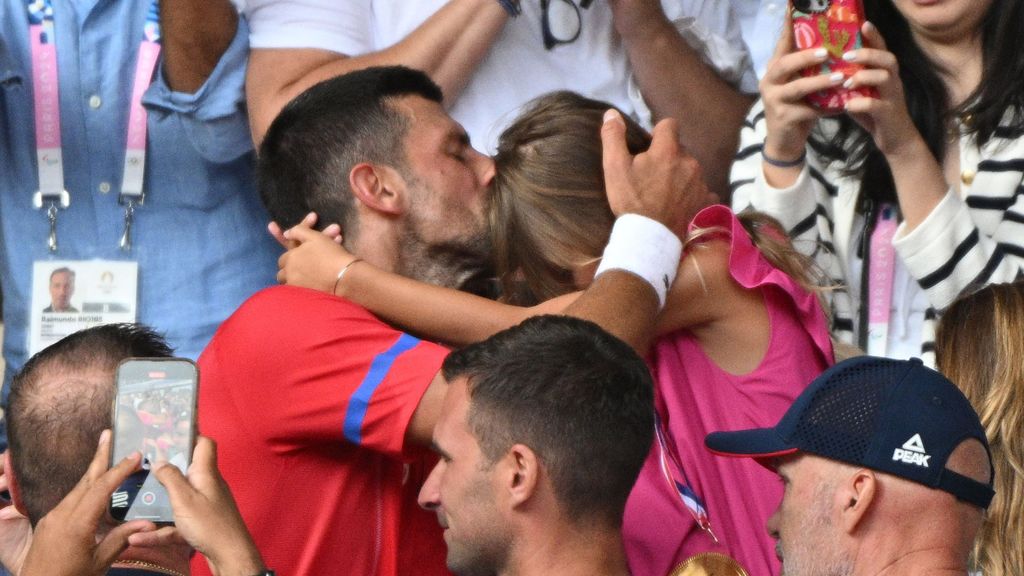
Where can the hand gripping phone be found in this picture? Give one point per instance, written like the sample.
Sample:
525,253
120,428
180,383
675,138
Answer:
154,413
835,26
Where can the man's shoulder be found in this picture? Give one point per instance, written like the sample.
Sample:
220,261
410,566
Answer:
297,320
274,301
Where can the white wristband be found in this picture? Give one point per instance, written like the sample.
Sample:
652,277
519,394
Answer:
646,248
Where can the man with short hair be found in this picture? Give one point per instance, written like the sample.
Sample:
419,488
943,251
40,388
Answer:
60,404
367,164
542,434
62,288
323,413
886,471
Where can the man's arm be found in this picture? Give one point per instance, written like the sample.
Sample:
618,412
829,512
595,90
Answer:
676,83
194,35
448,47
660,184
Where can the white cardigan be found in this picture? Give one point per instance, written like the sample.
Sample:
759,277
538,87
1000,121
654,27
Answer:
972,238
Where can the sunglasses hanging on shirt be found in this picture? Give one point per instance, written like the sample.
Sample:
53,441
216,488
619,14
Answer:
561,21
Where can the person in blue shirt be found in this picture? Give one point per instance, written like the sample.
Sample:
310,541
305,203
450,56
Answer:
198,237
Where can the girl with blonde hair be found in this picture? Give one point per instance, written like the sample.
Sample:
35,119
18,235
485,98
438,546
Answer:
741,334
979,347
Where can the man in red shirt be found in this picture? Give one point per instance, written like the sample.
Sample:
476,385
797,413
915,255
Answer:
322,412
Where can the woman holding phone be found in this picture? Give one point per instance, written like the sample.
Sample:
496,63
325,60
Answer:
908,198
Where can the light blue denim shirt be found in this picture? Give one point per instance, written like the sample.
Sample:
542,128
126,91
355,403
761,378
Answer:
200,237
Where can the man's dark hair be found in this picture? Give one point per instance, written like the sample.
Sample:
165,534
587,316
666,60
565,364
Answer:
312,145
60,402
580,398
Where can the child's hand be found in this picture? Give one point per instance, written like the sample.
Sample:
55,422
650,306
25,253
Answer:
333,231
314,260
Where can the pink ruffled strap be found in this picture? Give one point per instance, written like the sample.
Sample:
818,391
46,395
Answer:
752,270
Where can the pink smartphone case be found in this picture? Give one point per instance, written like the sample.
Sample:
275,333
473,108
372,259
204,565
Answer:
835,26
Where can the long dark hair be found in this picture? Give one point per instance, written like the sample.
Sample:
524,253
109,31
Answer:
1001,91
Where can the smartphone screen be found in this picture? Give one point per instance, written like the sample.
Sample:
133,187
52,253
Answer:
154,413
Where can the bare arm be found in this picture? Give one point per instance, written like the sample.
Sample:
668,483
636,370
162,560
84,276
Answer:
448,47
439,314
602,303
676,83
194,35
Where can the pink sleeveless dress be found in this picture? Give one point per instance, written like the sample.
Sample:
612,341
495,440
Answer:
695,397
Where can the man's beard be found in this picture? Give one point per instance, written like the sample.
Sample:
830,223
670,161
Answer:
463,263
813,550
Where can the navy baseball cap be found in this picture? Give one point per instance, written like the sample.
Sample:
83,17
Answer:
893,416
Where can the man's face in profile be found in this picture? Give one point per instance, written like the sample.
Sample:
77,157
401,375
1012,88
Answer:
447,183
803,525
461,490
62,288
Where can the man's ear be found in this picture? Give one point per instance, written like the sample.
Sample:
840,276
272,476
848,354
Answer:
522,474
12,484
855,495
378,187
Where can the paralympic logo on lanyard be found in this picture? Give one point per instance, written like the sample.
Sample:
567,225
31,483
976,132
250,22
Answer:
45,84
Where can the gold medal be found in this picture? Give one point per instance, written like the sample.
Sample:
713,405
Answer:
709,564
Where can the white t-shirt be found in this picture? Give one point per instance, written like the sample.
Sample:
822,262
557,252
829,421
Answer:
518,68
762,22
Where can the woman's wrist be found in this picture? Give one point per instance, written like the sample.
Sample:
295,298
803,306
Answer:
783,156
909,149
777,162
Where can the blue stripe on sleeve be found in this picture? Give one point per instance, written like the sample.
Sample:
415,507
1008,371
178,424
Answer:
360,400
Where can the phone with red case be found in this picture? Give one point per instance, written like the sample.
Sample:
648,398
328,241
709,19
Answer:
835,26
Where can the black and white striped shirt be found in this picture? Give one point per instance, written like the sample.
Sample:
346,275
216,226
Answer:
973,237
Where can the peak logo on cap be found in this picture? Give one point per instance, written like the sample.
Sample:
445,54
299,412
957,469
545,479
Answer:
874,412
912,452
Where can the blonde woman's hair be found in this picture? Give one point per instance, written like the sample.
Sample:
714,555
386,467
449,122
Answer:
979,346
549,213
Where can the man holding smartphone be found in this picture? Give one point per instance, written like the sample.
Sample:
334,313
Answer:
60,404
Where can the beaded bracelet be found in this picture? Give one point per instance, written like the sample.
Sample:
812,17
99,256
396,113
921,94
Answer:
511,6
784,163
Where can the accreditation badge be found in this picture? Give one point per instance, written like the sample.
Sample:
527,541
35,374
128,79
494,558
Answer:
709,564
70,295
